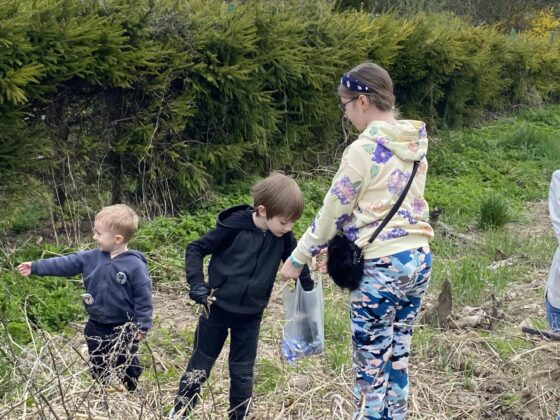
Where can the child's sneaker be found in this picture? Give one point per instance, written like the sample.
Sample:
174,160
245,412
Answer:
172,415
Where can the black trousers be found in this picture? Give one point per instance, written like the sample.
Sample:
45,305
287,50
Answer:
112,350
209,339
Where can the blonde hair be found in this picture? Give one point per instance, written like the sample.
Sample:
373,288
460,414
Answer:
280,195
120,219
378,80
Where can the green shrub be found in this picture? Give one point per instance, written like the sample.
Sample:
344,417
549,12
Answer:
494,212
162,102
526,138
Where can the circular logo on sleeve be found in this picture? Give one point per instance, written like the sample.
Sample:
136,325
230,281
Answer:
121,278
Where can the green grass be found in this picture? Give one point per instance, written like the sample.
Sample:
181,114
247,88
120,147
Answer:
48,303
539,323
337,331
512,158
506,347
510,400
494,212
269,374
423,339
509,158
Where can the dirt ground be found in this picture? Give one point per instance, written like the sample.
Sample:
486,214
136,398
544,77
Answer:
470,372
486,368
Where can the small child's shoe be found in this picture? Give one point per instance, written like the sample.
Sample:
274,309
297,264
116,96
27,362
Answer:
172,415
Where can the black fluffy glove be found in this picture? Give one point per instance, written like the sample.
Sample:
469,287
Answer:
199,293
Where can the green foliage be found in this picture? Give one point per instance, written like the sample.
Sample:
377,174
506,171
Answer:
506,347
337,333
268,376
494,212
162,102
23,206
21,149
30,303
513,158
472,280
506,13
536,141
47,303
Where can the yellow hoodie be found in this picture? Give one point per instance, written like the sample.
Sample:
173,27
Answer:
374,171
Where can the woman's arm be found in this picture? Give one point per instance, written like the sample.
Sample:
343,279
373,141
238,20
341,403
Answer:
338,205
554,203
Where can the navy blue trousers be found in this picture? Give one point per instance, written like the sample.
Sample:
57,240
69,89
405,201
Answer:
112,350
209,339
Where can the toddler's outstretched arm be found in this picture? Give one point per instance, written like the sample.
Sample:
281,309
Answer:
25,268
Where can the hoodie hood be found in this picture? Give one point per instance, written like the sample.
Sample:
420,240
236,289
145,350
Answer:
136,254
407,138
237,217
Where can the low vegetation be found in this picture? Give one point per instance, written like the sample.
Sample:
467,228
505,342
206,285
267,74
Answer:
494,245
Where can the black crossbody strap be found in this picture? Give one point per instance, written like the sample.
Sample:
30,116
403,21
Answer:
397,204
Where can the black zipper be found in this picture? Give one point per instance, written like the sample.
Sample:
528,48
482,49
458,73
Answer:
252,272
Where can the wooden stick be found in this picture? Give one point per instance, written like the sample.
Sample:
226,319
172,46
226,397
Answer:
544,334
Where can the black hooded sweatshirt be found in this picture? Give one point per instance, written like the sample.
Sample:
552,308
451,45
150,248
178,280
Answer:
244,262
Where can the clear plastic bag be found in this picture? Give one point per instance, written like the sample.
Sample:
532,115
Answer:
304,325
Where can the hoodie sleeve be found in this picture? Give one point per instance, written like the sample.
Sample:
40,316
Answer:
213,241
68,265
142,295
554,203
338,204
305,277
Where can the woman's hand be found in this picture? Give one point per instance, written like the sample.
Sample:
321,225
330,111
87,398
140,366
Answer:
288,270
321,260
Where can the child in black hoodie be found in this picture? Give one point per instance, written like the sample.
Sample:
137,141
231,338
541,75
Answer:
247,247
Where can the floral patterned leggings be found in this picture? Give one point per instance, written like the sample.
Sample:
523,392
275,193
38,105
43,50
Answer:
383,311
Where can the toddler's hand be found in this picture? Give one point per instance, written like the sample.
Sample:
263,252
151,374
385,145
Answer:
25,268
140,336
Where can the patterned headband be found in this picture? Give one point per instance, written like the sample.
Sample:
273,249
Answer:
353,84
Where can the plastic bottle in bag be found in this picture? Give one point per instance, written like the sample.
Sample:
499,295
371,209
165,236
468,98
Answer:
303,334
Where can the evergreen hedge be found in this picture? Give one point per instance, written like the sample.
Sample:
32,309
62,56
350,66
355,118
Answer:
159,100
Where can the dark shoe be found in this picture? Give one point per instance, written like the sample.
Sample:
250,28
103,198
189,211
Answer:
131,384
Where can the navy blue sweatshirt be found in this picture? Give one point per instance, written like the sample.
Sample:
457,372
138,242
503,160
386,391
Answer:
120,287
244,261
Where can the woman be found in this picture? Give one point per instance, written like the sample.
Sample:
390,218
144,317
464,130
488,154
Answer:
374,171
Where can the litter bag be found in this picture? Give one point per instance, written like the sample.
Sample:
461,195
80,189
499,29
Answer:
304,326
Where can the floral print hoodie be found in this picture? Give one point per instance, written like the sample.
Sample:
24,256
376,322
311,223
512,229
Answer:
374,170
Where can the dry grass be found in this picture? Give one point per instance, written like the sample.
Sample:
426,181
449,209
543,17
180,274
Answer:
470,373
455,374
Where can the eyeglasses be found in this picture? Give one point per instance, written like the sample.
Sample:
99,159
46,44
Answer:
342,105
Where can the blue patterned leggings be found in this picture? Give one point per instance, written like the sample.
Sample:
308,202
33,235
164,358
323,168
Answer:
382,314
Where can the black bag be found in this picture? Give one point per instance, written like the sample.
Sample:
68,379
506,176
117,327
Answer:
345,262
